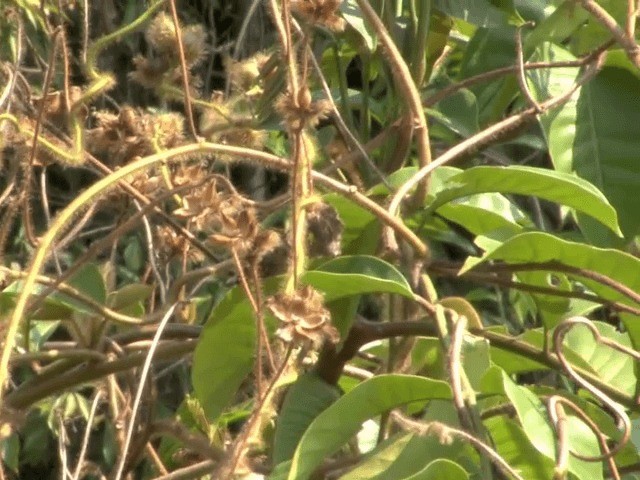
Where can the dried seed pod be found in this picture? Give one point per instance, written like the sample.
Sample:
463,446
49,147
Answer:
304,316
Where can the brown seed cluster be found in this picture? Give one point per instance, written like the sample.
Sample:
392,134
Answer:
130,133
162,65
303,112
304,316
320,12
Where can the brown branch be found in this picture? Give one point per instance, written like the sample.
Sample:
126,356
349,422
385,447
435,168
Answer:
406,86
501,72
556,266
628,43
33,391
481,277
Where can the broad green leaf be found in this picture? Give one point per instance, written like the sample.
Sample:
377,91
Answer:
491,48
224,354
353,275
558,26
536,425
439,470
611,366
586,136
406,455
558,187
305,400
88,280
541,247
335,425
396,179
129,296
513,445
353,16
10,451
378,460
551,308
458,112
485,213
512,363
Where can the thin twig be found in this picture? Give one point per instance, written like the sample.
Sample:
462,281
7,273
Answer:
185,71
632,15
522,79
151,253
87,434
136,403
455,372
555,404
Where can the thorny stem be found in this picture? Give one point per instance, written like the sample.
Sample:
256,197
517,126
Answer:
447,434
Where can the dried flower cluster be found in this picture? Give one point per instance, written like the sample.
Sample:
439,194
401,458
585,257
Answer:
232,120
320,12
130,133
161,66
226,218
303,112
304,316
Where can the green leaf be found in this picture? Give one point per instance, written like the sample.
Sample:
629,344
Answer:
439,470
353,16
354,275
399,177
133,255
10,451
586,136
304,401
224,354
458,112
129,296
335,425
88,281
404,456
220,365
497,214
558,187
540,248
534,419
611,366
512,363
491,48
512,444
